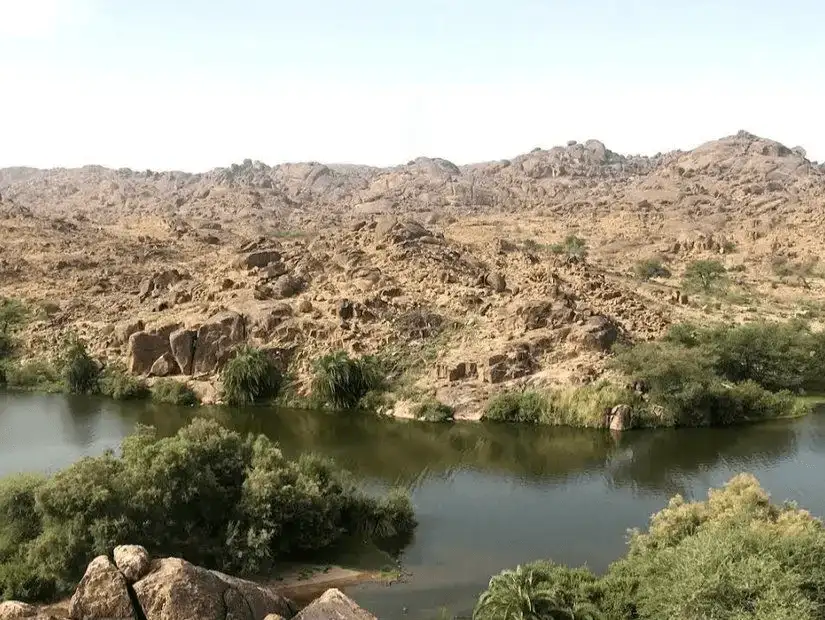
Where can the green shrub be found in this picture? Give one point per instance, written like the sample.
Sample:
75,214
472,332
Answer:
735,555
433,411
33,374
572,247
342,381
540,590
116,382
524,407
172,392
651,268
77,368
217,498
250,377
13,315
704,275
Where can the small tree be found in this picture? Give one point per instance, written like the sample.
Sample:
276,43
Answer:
572,247
79,371
704,274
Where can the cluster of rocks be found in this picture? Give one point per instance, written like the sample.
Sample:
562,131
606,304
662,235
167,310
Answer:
131,586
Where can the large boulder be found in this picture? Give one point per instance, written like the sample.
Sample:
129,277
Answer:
178,590
164,366
15,610
159,282
334,605
598,333
182,345
124,330
259,258
132,561
216,340
102,594
144,349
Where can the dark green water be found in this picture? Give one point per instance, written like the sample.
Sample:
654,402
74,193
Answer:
487,497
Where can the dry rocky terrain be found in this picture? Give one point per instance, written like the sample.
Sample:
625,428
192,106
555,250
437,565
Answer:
448,268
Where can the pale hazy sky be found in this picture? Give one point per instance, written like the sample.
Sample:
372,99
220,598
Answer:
193,84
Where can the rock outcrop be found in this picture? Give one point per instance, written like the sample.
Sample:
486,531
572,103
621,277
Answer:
215,341
334,605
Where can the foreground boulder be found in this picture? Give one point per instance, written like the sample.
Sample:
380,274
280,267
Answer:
334,605
145,349
178,590
132,561
102,593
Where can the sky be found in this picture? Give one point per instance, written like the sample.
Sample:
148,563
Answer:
195,84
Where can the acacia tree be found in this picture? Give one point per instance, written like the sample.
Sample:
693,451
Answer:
704,274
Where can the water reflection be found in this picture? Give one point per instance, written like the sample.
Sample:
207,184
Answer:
486,496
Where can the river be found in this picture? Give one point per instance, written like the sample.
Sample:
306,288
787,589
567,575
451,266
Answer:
487,497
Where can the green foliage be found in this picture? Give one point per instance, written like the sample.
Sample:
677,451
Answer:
572,247
524,407
433,411
341,381
651,268
116,382
783,267
77,368
33,374
13,315
736,555
540,591
172,392
208,494
724,375
250,377
704,275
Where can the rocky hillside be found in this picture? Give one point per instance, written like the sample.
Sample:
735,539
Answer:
461,273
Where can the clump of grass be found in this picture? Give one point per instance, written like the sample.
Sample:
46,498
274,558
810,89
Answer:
525,407
585,406
78,369
171,392
342,381
116,382
250,377
433,411
571,247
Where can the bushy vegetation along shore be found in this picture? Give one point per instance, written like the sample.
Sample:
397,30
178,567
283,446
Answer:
736,555
695,376
208,494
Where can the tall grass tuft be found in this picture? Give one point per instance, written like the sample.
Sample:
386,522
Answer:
250,377
171,392
433,411
341,381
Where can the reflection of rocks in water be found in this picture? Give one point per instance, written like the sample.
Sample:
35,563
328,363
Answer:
670,460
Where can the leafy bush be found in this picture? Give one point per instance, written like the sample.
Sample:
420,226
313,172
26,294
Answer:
116,382
572,247
250,377
540,590
342,381
433,411
704,275
208,494
651,268
524,407
736,555
77,368
33,374
172,392
585,406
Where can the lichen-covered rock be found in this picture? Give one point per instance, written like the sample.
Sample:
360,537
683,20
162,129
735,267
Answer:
216,340
334,605
132,561
102,594
144,350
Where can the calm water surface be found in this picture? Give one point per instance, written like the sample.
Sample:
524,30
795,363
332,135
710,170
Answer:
486,497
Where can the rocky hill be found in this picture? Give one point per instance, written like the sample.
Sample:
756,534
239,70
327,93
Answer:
461,272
